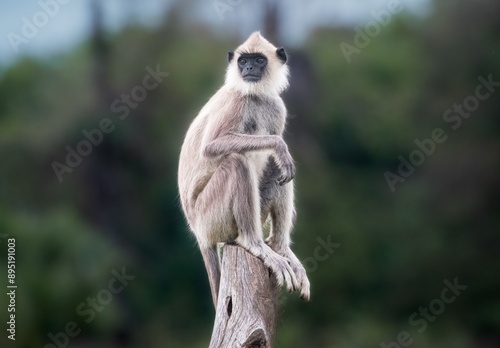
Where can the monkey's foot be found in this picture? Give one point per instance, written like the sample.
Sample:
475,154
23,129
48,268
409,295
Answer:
278,264
299,271
300,274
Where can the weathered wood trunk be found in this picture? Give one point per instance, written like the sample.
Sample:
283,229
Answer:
247,305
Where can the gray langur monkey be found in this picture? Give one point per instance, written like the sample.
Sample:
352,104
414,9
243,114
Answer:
235,171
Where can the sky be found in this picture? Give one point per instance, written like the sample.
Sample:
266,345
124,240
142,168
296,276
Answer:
55,26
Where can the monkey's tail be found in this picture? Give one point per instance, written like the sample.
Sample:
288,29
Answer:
211,259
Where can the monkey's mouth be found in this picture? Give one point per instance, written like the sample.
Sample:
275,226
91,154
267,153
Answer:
251,78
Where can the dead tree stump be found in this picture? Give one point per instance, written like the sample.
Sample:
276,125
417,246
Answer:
248,302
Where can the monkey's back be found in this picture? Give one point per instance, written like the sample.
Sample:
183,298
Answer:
195,170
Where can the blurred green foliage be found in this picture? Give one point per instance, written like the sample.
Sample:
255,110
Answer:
349,123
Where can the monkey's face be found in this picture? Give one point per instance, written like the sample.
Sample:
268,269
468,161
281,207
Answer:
257,67
252,66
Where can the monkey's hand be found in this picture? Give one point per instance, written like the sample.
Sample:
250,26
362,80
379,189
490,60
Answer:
285,162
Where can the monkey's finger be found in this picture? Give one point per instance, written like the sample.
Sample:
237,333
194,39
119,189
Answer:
305,293
284,179
291,281
281,274
285,272
293,276
295,284
283,182
288,280
280,279
289,175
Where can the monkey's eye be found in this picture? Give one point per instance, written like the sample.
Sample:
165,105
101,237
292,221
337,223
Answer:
243,61
261,60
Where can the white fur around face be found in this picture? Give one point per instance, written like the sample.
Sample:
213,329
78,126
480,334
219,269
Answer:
274,81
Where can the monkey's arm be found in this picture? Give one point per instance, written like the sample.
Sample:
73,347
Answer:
242,143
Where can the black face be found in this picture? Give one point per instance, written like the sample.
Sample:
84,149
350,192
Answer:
252,66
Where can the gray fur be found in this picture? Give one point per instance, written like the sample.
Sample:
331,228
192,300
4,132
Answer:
235,172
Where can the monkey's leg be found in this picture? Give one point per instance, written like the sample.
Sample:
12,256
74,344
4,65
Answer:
227,210
243,191
281,208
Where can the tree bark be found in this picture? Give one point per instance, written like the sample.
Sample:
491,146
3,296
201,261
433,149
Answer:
247,303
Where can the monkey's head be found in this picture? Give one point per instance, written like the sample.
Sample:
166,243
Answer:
257,67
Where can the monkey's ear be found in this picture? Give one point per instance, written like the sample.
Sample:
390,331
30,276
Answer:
230,56
280,52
